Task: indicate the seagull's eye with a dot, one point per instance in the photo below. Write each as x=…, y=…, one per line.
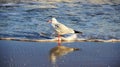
x=49, y=21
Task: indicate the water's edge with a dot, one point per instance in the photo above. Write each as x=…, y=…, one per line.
x=56, y=40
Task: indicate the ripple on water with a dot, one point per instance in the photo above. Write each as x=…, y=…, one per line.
x=95, y=21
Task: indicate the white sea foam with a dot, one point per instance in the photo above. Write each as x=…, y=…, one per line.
x=62, y=40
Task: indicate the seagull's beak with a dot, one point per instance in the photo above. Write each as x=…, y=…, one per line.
x=49, y=21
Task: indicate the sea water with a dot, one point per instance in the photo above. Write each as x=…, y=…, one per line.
x=28, y=20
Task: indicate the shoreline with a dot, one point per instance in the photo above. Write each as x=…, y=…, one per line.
x=55, y=40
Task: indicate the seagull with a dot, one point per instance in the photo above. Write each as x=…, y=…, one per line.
x=61, y=29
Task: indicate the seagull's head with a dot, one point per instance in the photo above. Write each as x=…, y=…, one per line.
x=53, y=20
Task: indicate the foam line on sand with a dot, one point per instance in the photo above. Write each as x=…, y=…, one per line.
x=55, y=40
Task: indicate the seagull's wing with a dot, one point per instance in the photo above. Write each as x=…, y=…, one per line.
x=62, y=29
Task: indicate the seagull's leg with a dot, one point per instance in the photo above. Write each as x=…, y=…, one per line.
x=59, y=40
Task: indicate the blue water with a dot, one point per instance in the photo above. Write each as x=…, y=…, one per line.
x=27, y=20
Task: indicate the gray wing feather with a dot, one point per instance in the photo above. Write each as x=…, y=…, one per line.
x=62, y=29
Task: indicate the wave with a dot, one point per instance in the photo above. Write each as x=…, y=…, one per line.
x=48, y=37
x=62, y=40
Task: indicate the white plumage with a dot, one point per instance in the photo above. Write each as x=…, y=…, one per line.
x=61, y=29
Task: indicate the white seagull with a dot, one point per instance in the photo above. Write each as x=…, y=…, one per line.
x=61, y=29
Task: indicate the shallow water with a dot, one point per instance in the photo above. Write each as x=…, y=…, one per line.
x=27, y=20
x=37, y=54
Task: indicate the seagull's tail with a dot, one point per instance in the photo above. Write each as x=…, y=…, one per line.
x=77, y=32
x=76, y=49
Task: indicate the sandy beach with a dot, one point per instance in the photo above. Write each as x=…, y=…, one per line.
x=37, y=54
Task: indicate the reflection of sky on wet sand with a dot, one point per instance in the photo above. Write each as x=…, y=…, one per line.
x=37, y=54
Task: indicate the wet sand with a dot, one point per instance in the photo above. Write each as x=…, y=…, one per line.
x=37, y=54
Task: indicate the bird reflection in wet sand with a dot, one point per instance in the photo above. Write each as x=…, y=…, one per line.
x=59, y=51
